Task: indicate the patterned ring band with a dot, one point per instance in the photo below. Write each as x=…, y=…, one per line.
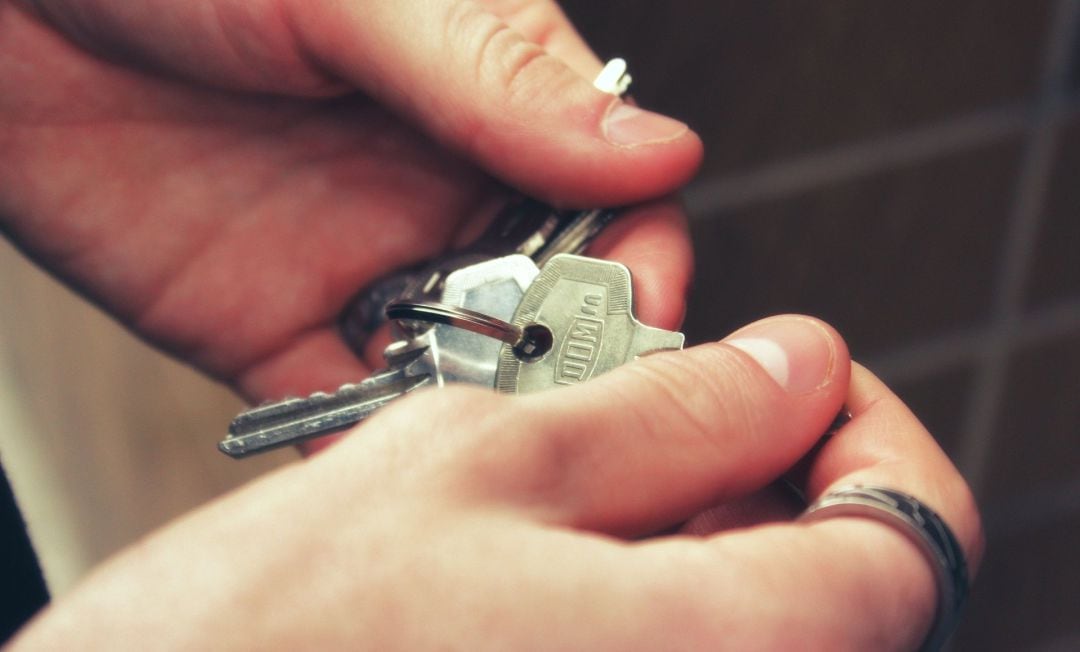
x=925, y=528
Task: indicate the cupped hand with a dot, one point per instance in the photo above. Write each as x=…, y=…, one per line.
x=481, y=521
x=223, y=176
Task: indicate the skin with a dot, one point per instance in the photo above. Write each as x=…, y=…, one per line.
x=150, y=191
x=223, y=176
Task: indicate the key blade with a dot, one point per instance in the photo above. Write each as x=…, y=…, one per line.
x=576, y=231
x=298, y=419
x=653, y=340
x=586, y=307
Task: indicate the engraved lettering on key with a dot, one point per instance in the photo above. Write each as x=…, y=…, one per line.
x=577, y=359
x=587, y=305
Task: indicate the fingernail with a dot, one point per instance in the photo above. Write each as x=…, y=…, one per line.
x=796, y=352
x=627, y=125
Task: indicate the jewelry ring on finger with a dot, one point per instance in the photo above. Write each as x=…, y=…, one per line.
x=924, y=527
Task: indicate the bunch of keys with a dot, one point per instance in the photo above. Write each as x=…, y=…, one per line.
x=517, y=311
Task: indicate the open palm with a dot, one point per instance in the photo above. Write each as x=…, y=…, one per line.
x=228, y=215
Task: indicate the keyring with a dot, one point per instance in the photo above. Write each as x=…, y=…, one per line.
x=528, y=343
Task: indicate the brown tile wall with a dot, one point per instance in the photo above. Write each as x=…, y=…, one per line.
x=936, y=398
x=888, y=258
x=1038, y=441
x=1056, y=272
x=1027, y=591
x=763, y=80
x=919, y=254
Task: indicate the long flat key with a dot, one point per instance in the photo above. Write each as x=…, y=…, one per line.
x=586, y=307
x=295, y=420
x=435, y=357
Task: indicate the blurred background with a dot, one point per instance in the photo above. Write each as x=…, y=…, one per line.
x=909, y=172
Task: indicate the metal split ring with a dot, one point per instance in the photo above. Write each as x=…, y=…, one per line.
x=923, y=527
x=528, y=343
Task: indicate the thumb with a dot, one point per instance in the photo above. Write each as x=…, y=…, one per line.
x=655, y=441
x=481, y=86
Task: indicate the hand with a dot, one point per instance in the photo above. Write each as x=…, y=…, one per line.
x=480, y=521
x=224, y=175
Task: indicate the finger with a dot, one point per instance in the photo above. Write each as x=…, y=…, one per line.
x=657, y=440
x=775, y=503
x=847, y=582
x=843, y=583
x=477, y=84
x=782, y=587
x=653, y=242
x=544, y=23
x=462, y=73
x=885, y=445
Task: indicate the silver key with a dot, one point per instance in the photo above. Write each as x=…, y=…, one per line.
x=295, y=420
x=426, y=354
x=434, y=357
x=525, y=226
x=453, y=354
x=493, y=288
x=585, y=305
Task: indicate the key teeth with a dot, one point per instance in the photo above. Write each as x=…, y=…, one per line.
x=295, y=420
x=398, y=355
x=269, y=407
x=401, y=353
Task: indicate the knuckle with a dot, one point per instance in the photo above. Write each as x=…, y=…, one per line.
x=537, y=20
x=515, y=68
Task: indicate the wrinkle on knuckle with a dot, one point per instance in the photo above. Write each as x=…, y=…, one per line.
x=501, y=58
x=539, y=21
x=518, y=69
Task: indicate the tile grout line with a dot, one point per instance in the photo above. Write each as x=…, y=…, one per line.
x=1008, y=327
x=915, y=361
x=706, y=199
x=978, y=434
x=1061, y=642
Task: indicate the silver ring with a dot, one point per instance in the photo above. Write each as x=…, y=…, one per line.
x=470, y=320
x=925, y=528
x=529, y=342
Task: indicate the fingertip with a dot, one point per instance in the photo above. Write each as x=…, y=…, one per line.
x=586, y=149
x=653, y=242
x=800, y=353
x=885, y=444
x=679, y=431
